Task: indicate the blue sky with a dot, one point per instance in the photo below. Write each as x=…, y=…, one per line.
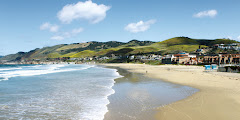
x=30, y=24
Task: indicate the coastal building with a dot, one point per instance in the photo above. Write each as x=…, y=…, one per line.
x=200, y=51
x=234, y=46
x=229, y=58
x=219, y=59
x=103, y=58
x=131, y=57
x=145, y=57
x=167, y=59
x=73, y=59
x=141, y=57
x=181, y=58
x=155, y=57
x=185, y=58
x=207, y=59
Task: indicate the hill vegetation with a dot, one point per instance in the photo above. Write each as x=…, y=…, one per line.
x=133, y=47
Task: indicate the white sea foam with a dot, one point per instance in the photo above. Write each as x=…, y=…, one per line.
x=100, y=105
x=84, y=98
x=5, y=74
x=5, y=69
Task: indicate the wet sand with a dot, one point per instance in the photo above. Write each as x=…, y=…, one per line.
x=138, y=97
x=218, y=99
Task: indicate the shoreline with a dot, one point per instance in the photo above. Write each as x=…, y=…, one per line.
x=138, y=93
x=218, y=98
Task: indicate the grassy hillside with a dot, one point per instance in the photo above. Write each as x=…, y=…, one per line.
x=45, y=52
x=133, y=43
x=89, y=49
x=106, y=51
x=85, y=53
x=147, y=49
x=53, y=55
x=68, y=54
x=184, y=48
x=180, y=41
x=190, y=41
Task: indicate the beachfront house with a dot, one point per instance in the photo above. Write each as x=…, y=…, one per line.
x=184, y=58
x=103, y=58
x=131, y=57
x=141, y=57
x=219, y=59
x=167, y=59
x=229, y=58
x=181, y=58
x=234, y=46
x=155, y=57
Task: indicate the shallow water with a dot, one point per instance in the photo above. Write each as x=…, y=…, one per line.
x=137, y=97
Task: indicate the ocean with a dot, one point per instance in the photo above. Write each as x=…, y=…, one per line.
x=76, y=92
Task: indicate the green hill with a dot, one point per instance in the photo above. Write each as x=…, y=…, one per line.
x=85, y=53
x=180, y=41
x=185, y=44
x=89, y=49
x=190, y=41
x=74, y=50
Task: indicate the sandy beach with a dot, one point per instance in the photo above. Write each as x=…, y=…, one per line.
x=218, y=98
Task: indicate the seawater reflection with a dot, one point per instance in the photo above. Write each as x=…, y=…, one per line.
x=138, y=97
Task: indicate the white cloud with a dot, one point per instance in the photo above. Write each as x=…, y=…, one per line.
x=54, y=28
x=50, y=27
x=76, y=31
x=139, y=26
x=45, y=26
x=238, y=38
x=229, y=37
x=64, y=35
x=87, y=10
x=208, y=13
x=57, y=37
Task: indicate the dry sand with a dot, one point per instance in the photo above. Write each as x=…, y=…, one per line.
x=218, y=99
